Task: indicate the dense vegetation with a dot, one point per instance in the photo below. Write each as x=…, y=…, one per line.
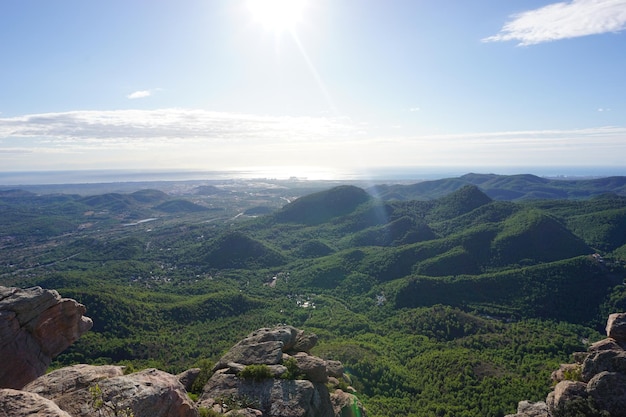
x=456, y=306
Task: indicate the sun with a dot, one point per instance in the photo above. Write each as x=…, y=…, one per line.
x=277, y=15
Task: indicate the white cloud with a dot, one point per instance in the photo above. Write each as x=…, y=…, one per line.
x=414, y=109
x=134, y=127
x=564, y=20
x=139, y=94
x=199, y=139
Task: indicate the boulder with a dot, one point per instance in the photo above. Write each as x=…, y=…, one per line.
x=528, y=409
x=565, y=391
x=603, y=360
x=14, y=403
x=226, y=392
x=608, y=389
x=345, y=404
x=304, y=342
x=249, y=352
x=35, y=326
x=616, y=327
x=605, y=344
x=564, y=371
x=85, y=390
x=334, y=369
x=314, y=368
x=273, y=397
x=188, y=377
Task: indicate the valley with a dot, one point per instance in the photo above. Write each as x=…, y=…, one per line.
x=453, y=297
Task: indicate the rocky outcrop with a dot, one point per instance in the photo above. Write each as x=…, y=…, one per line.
x=16, y=403
x=85, y=390
x=594, y=385
x=35, y=326
x=284, y=379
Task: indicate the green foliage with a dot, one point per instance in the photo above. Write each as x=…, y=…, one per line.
x=293, y=372
x=574, y=374
x=459, y=306
x=206, y=370
x=256, y=372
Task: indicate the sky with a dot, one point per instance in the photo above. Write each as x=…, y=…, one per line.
x=311, y=86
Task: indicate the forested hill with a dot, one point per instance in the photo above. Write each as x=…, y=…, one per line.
x=506, y=187
x=456, y=306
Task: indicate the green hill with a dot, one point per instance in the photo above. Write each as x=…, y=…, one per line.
x=452, y=303
x=237, y=250
x=323, y=206
x=506, y=187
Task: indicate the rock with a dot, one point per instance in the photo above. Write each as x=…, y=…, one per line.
x=72, y=378
x=564, y=371
x=285, y=334
x=334, y=369
x=274, y=397
x=602, y=390
x=603, y=360
x=616, y=327
x=15, y=403
x=35, y=326
x=250, y=352
x=608, y=389
x=305, y=342
x=149, y=393
x=313, y=367
x=605, y=344
x=528, y=409
x=226, y=392
x=565, y=391
x=345, y=404
x=188, y=377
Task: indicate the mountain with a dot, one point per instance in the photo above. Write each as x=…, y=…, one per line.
x=323, y=206
x=457, y=305
x=506, y=187
x=237, y=250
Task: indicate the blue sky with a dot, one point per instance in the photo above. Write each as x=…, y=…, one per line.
x=319, y=85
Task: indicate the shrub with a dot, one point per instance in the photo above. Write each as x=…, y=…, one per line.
x=293, y=372
x=256, y=372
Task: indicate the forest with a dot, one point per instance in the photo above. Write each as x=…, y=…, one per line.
x=448, y=298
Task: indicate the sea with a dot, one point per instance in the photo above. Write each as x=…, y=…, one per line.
x=373, y=175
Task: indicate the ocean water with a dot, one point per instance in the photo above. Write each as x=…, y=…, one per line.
x=378, y=174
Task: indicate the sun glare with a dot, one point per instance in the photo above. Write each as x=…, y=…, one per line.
x=277, y=15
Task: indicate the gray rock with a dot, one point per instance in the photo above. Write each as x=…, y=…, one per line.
x=603, y=360
x=334, y=369
x=346, y=404
x=72, y=378
x=565, y=391
x=605, y=344
x=528, y=409
x=564, y=370
x=313, y=367
x=616, y=327
x=188, y=377
x=274, y=397
x=608, y=389
x=35, y=326
x=15, y=403
x=285, y=334
x=305, y=342
x=149, y=393
x=248, y=352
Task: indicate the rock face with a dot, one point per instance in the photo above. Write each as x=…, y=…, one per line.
x=600, y=385
x=85, y=390
x=35, y=326
x=15, y=403
x=292, y=384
